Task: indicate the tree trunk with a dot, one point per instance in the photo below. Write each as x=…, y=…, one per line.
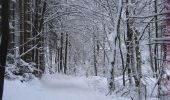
x=4, y=39
x=66, y=46
x=21, y=6
x=156, y=46
x=94, y=55
x=129, y=38
x=150, y=51
x=12, y=29
x=61, y=53
x=27, y=30
x=167, y=46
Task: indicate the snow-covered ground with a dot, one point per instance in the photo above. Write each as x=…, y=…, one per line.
x=58, y=87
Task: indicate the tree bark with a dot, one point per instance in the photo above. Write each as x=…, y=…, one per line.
x=156, y=46
x=61, y=53
x=4, y=39
x=129, y=38
x=66, y=46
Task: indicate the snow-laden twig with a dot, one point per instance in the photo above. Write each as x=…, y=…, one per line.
x=153, y=15
x=28, y=50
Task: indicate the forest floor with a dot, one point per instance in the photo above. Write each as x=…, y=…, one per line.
x=59, y=87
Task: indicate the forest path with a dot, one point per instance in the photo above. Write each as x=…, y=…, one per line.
x=55, y=87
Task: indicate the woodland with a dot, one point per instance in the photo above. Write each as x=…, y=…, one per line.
x=122, y=44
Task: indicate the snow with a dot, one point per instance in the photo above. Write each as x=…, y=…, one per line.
x=14, y=1
x=58, y=87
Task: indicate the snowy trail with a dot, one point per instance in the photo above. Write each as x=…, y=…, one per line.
x=56, y=87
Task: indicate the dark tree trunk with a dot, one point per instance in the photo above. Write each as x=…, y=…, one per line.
x=156, y=46
x=129, y=39
x=35, y=32
x=65, y=65
x=12, y=29
x=41, y=29
x=21, y=49
x=61, y=54
x=27, y=30
x=94, y=55
x=4, y=34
